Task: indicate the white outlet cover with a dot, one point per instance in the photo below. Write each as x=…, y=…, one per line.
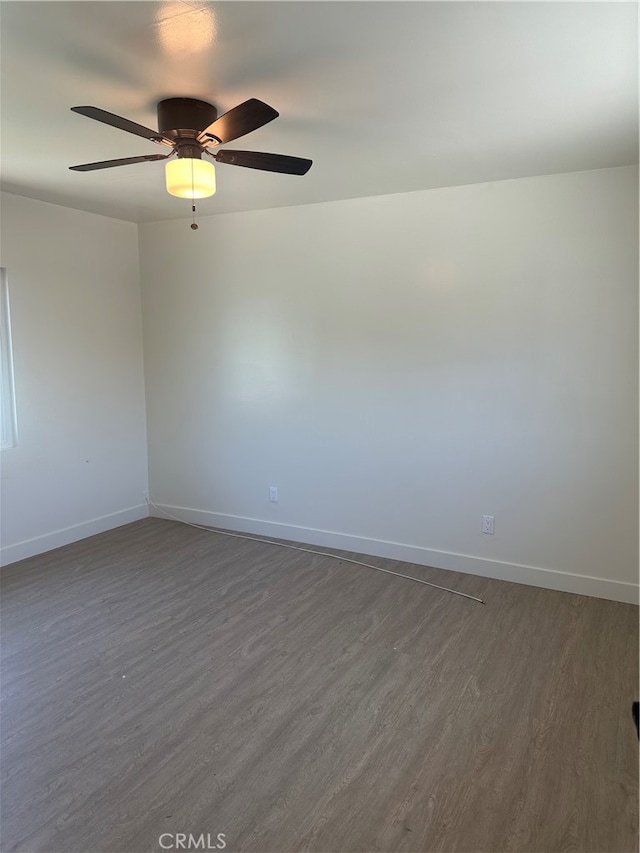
x=488, y=524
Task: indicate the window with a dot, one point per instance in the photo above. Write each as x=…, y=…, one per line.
x=7, y=387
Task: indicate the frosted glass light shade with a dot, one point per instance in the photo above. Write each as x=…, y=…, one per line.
x=190, y=178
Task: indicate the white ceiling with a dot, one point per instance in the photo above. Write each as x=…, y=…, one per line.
x=385, y=97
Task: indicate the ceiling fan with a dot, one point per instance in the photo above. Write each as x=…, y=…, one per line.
x=191, y=128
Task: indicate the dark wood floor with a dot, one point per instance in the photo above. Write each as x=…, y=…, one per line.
x=160, y=679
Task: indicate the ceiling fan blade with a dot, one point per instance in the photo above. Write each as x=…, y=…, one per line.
x=108, y=164
x=121, y=123
x=242, y=119
x=266, y=162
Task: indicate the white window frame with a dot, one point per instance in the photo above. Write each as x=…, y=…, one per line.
x=8, y=415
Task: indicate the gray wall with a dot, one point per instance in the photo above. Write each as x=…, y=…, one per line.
x=401, y=365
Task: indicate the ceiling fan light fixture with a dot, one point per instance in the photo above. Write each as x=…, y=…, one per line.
x=188, y=177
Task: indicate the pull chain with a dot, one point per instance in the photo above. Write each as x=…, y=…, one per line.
x=194, y=225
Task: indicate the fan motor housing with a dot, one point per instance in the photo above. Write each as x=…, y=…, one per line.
x=184, y=117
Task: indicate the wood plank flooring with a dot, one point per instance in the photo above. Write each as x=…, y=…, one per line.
x=160, y=679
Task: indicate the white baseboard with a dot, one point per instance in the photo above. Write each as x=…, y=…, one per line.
x=514, y=572
x=58, y=538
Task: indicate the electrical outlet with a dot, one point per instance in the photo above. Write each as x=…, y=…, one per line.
x=488, y=524
x=273, y=494
x=145, y=496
